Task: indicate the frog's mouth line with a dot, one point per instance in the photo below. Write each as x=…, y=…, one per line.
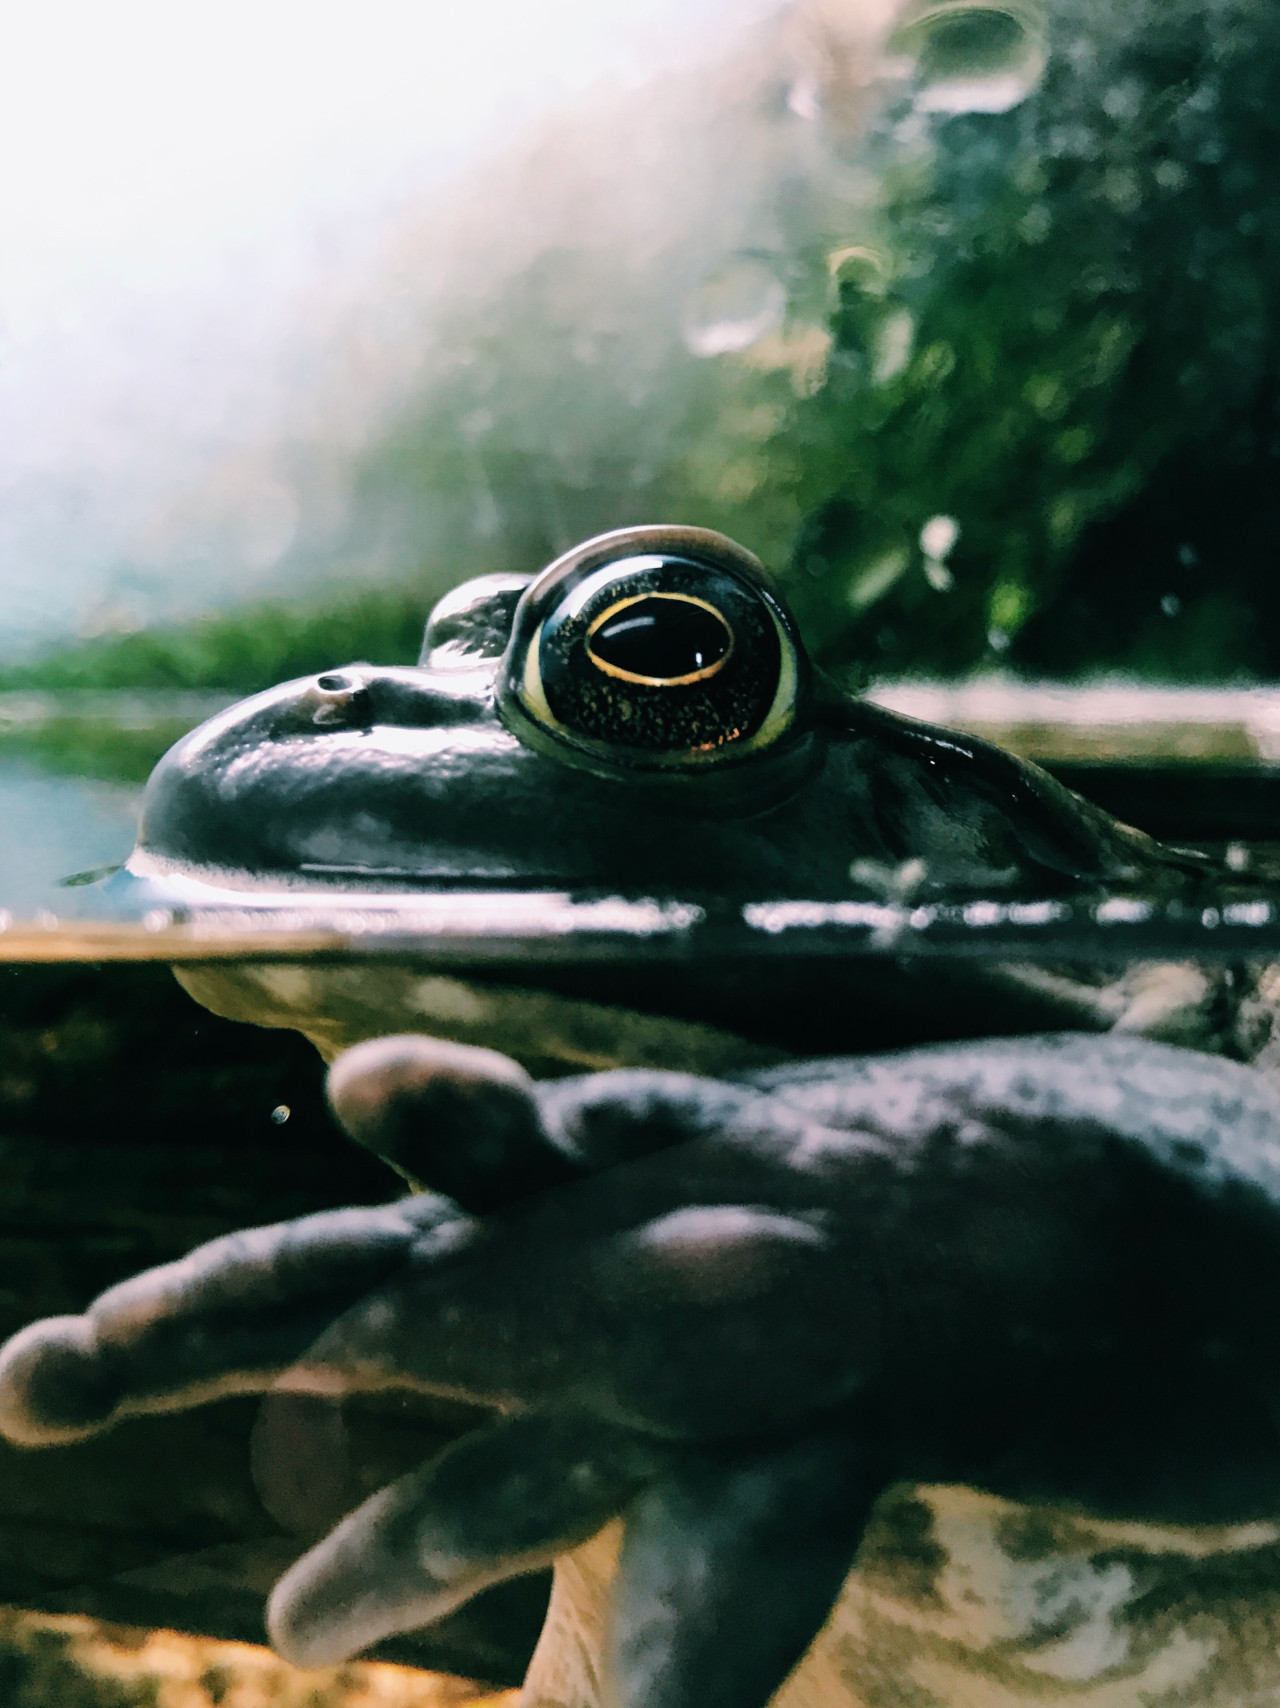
x=529, y=925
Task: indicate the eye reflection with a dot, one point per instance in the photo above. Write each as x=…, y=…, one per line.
x=660, y=640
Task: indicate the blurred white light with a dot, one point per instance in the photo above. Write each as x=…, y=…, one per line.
x=175, y=175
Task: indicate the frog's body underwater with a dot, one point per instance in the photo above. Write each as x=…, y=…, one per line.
x=641, y=719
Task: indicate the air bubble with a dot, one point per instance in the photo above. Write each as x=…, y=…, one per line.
x=735, y=307
x=893, y=345
x=281, y=1113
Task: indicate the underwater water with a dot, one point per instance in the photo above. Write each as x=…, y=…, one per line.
x=136, y=1123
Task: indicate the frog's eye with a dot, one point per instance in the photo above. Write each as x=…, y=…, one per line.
x=654, y=657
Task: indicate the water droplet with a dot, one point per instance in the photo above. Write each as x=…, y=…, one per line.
x=734, y=307
x=938, y=575
x=803, y=98
x=938, y=536
x=972, y=56
x=281, y=1113
x=894, y=339
x=859, y=268
x=875, y=579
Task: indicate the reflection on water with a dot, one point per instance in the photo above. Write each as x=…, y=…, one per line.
x=55, y=827
x=72, y=768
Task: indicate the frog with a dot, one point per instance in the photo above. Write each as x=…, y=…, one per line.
x=643, y=713
x=640, y=723
x=938, y=1376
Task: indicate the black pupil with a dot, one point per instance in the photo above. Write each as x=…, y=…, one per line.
x=661, y=638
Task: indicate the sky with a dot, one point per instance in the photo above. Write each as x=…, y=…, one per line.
x=174, y=175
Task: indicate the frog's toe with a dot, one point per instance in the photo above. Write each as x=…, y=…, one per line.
x=731, y=1563
x=54, y=1387
x=502, y=1501
x=461, y=1120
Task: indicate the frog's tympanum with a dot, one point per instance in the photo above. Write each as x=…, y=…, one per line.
x=639, y=721
x=996, y=1319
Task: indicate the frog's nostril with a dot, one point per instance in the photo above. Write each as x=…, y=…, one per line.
x=338, y=699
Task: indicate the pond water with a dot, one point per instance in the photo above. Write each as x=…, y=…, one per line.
x=57, y=828
x=135, y=1124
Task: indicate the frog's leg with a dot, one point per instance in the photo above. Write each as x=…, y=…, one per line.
x=1176, y=1002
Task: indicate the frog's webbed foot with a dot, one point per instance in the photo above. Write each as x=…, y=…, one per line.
x=472, y=1124
x=228, y=1318
x=461, y=1120
x=614, y=1324
x=731, y=1563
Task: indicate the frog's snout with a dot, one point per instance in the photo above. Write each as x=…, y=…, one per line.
x=365, y=696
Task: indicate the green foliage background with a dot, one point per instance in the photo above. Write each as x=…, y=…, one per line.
x=1055, y=325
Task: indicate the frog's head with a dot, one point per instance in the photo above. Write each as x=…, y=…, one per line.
x=639, y=720
x=635, y=715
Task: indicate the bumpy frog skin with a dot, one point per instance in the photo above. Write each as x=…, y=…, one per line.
x=743, y=1316
x=640, y=719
